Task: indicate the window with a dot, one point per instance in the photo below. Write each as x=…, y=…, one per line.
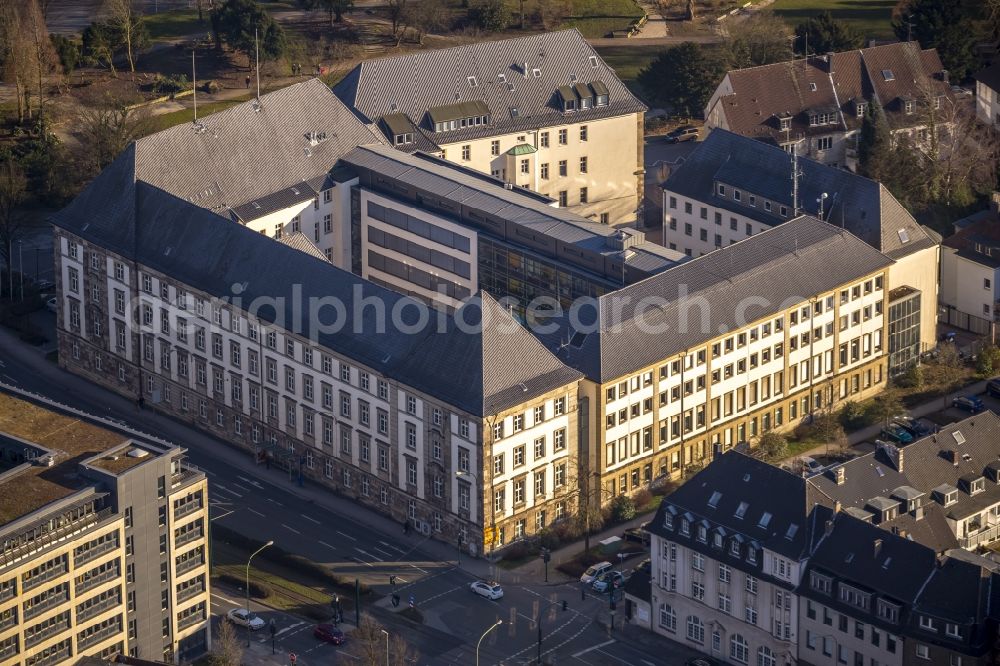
x=739, y=649
x=525, y=167
x=494, y=148
x=544, y=171
x=562, y=168
x=583, y=164
x=466, y=152
x=583, y=132
x=563, y=199
x=922, y=651
x=562, y=137
x=695, y=630
x=583, y=195
x=543, y=140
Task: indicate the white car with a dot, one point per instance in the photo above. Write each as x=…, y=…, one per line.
x=491, y=591
x=243, y=618
x=811, y=466
x=592, y=574
x=606, y=579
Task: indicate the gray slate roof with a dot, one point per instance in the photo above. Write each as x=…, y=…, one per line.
x=925, y=468
x=861, y=205
x=777, y=265
x=416, y=82
x=244, y=154
x=301, y=242
x=537, y=222
x=471, y=367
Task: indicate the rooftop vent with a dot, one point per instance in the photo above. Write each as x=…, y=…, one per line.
x=473, y=82
x=593, y=61
x=137, y=453
x=959, y=437
x=47, y=460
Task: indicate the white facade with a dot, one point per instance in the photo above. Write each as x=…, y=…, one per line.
x=696, y=228
x=969, y=286
x=987, y=104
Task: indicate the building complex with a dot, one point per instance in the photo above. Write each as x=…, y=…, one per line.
x=103, y=543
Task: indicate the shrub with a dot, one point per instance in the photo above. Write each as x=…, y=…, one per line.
x=988, y=361
x=318, y=612
x=622, y=509
x=211, y=87
x=854, y=415
x=258, y=590
x=642, y=498
x=912, y=378
x=489, y=15
x=519, y=550
x=772, y=446
x=168, y=85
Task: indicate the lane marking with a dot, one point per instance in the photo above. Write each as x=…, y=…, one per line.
x=269, y=499
x=241, y=487
x=324, y=543
x=310, y=519
x=250, y=481
x=290, y=529
x=256, y=512
x=440, y=594
x=227, y=490
x=366, y=553
x=395, y=548
x=389, y=555
x=346, y=536
x=228, y=601
x=361, y=561
x=222, y=516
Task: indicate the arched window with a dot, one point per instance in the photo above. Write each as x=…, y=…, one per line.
x=695, y=630
x=765, y=657
x=739, y=651
x=668, y=619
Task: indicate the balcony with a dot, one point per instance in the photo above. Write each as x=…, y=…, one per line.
x=987, y=535
x=190, y=592
x=187, y=509
x=30, y=544
x=44, y=577
x=189, y=564
x=55, y=598
x=188, y=536
x=83, y=556
x=57, y=654
x=84, y=613
x=86, y=584
x=84, y=640
x=46, y=633
x=191, y=620
x=8, y=649
x=8, y=620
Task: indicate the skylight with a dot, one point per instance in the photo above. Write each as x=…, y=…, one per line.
x=572, y=77
x=713, y=501
x=904, y=235
x=514, y=112
x=536, y=72
x=879, y=471
x=765, y=520
x=888, y=561
x=959, y=437
x=473, y=82
x=888, y=75
x=812, y=87
x=741, y=510
x=792, y=529
x=593, y=61
x=503, y=78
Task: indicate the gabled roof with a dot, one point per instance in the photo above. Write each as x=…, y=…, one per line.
x=420, y=83
x=839, y=80
x=975, y=239
x=468, y=366
x=614, y=338
x=238, y=155
x=989, y=77
x=861, y=205
x=301, y=242
x=958, y=590
x=777, y=503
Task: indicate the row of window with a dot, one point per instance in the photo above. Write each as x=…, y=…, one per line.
x=519, y=457
x=538, y=415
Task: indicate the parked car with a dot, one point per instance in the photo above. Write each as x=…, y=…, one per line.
x=897, y=433
x=328, y=633
x=683, y=133
x=811, y=465
x=591, y=574
x=245, y=618
x=968, y=403
x=608, y=579
x=490, y=590
x=916, y=427
x=638, y=533
x=52, y=304
x=993, y=387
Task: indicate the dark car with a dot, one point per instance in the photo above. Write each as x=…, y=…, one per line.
x=914, y=426
x=683, y=133
x=993, y=387
x=968, y=403
x=897, y=433
x=948, y=336
x=329, y=634
x=639, y=533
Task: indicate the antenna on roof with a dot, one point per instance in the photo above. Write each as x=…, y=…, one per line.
x=256, y=50
x=820, y=200
x=795, y=182
x=194, y=88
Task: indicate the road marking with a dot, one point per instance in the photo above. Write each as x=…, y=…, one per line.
x=241, y=487
x=228, y=601
x=290, y=529
x=346, y=536
x=255, y=512
x=594, y=647
x=361, y=561
x=288, y=628
x=310, y=519
x=389, y=555
x=396, y=548
x=326, y=544
x=222, y=516
x=250, y=481
x=269, y=499
x=440, y=594
x=366, y=553
x=224, y=489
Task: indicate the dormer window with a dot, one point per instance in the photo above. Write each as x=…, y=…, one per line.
x=734, y=548
x=978, y=486
x=722, y=190
x=668, y=521
x=820, y=583
x=685, y=527
x=717, y=540
x=908, y=106
x=702, y=534
x=860, y=108
x=950, y=498
x=737, y=195
x=786, y=123
x=403, y=139
x=887, y=610
x=752, y=555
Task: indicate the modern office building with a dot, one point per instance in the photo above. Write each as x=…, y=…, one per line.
x=543, y=112
x=103, y=543
x=814, y=106
x=732, y=187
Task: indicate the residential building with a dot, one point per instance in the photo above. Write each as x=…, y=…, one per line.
x=814, y=106
x=970, y=273
x=244, y=337
x=543, y=112
x=942, y=489
x=988, y=95
x=758, y=340
x=440, y=232
x=728, y=549
x=103, y=543
x=732, y=187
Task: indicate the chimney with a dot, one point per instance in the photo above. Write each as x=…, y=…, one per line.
x=839, y=475
x=918, y=513
x=836, y=506
x=944, y=75
x=878, y=546
x=525, y=70
x=951, y=455
x=900, y=455
x=716, y=451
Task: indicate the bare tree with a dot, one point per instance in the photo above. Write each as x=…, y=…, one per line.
x=398, y=10
x=427, y=16
x=552, y=13
x=43, y=58
x=13, y=188
x=371, y=639
x=227, y=649
x=123, y=17
x=18, y=54
x=106, y=126
x=758, y=39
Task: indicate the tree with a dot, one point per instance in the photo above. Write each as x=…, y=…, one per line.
x=127, y=28
x=887, y=405
x=43, y=55
x=227, y=649
x=398, y=11
x=489, y=15
x=236, y=22
x=827, y=429
x=683, y=77
x=13, y=187
x=874, y=144
x=552, y=13
x=98, y=46
x=759, y=39
x=26, y=53
x=622, y=509
x=988, y=361
x=825, y=34
x=335, y=8
x=371, y=644
x=106, y=126
x=68, y=52
x=945, y=25
x=428, y=16
x=772, y=446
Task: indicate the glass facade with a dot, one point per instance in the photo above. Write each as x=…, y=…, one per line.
x=904, y=329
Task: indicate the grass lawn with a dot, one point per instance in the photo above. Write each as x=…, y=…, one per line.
x=165, y=120
x=871, y=18
x=176, y=23
x=596, y=18
x=627, y=61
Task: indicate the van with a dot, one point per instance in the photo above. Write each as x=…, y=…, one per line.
x=591, y=574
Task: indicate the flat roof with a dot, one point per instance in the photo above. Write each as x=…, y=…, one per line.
x=122, y=460
x=71, y=440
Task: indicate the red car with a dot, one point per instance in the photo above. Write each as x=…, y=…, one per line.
x=329, y=634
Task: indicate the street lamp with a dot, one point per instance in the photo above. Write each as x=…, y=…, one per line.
x=269, y=543
x=386, y=646
x=497, y=624
x=565, y=606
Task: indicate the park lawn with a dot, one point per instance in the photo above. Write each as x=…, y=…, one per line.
x=872, y=18
x=628, y=61
x=166, y=120
x=175, y=24
x=595, y=18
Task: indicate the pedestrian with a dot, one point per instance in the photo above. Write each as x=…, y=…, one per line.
x=248, y=81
